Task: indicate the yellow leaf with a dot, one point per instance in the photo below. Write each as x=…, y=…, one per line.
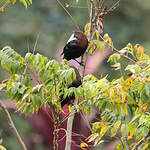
x=108, y=40
x=124, y=98
x=86, y=28
x=139, y=49
x=69, y=108
x=97, y=126
x=124, y=107
x=144, y=107
x=83, y=145
x=2, y=147
x=2, y=9
x=129, y=47
x=103, y=130
x=111, y=94
x=24, y=3
x=123, y=130
x=131, y=133
x=129, y=82
x=102, y=119
x=146, y=146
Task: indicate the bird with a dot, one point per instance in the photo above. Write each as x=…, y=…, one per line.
x=75, y=83
x=76, y=46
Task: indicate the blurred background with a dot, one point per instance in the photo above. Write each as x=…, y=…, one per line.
x=47, y=22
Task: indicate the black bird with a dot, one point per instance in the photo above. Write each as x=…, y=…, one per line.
x=76, y=46
x=75, y=83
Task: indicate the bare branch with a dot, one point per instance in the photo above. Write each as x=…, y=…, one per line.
x=116, y=50
x=12, y=126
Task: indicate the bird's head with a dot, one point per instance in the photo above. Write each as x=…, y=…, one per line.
x=80, y=38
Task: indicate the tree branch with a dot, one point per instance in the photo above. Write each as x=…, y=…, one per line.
x=69, y=130
x=12, y=126
x=117, y=51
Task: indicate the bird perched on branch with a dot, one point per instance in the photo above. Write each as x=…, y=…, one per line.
x=75, y=83
x=76, y=46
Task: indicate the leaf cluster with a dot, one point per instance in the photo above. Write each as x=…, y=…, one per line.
x=5, y=3
x=35, y=80
x=124, y=102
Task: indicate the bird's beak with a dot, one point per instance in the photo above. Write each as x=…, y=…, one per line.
x=72, y=38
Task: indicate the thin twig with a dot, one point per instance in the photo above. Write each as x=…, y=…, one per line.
x=28, y=46
x=114, y=6
x=89, y=34
x=37, y=38
x=116, y=50
x=73, y=21
x=12, y=126
x=55, y=114
x=91, y=20
x=85, y=118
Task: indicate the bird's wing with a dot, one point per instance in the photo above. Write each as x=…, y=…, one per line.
x=69, y=46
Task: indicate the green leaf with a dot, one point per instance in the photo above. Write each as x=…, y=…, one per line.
x=11, y=60
x=101, y=46
x=115, y=128
x=114, y=58
x=13, y=2
x=133, y=68
x=108, y=40
x=92, y=46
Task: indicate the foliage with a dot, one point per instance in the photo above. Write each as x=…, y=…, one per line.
x=5, y=3
x=124, y=102
x=35, y=80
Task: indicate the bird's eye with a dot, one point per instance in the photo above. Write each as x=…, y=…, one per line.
x=75, y=36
